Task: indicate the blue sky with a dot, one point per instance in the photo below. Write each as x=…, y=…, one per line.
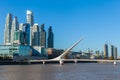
x=99, y=20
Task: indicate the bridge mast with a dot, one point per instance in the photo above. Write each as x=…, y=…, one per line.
x=66, y=51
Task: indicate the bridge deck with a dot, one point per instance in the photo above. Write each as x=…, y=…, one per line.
x=75, y=60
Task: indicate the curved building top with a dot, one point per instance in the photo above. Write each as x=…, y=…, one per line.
x=29, y=12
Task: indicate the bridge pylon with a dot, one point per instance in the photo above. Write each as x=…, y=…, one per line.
x=60, y=57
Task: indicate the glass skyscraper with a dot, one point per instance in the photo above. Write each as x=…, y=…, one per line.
x=14, y=28
x=35, y=35
x=26, y=26
x=106, y=51
x=112, y=51
x=42, y=36
x=29, y=18
x=50, y=40
x=115, y=53
x=7, y=31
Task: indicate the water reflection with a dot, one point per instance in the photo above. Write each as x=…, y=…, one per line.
x=80, y=71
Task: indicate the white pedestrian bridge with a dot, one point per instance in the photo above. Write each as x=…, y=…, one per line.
x=60, y=59
x=76, y=60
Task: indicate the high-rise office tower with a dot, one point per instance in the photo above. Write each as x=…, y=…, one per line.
x=42, y=36
x=7, y=31
x=25, y=36
x=115, y=53
x=19, y=37
x=112, y=51
x=106, y=51
x=26, y=29
x=36, y=35
x=50, y=40
x=14, y=28
x=30, y=21
x=30, y=18
x=21, y=26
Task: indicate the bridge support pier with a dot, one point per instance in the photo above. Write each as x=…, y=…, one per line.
x=43, y=62
x=115, y=63
x=61, y=62
x=75, y=61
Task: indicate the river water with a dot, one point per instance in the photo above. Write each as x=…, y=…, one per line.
x=71, y=71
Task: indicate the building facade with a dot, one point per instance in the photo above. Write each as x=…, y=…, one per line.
x=115, y=53
x=53, y=53
x=35, y=37
x=11, y=51
x=50, y=40
x=112, y=52
x=105, y=51
x=42, y=36
x=39, y=50
x=7, y=30
x=30, y=18
x=15, y=27
x=27, y=30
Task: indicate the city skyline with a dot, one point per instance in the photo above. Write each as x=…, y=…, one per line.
x=98, y=20
x=27, y=33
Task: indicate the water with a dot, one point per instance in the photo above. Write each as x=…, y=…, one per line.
x=79, y=71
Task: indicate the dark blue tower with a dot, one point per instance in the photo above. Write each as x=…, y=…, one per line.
x=50, y=40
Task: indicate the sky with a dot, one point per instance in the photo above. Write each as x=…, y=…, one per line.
x=98, y=20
